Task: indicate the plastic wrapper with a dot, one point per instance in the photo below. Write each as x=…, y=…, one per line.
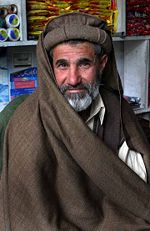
x=138, y=17
x=36, y=6
x=13, y=34
x=106, y=9
x=9, y=23
x=38, y=12
x=3, y=35
x=37, y=19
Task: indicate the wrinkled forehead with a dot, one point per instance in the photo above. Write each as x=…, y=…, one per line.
x=79, y=46
x=73, y=50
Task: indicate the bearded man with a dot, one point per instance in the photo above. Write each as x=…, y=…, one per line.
x=75, y=157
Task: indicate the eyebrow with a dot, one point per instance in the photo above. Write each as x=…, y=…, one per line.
x=61, y=61
x=82, y=60
x=79, y=61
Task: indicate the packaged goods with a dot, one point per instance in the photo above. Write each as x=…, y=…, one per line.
x=12, y=20
x=137, y=17
x=34, y=5
x=12, y=9
x=36, y=11
x=3, y=12
x=3, y=35
x=13, y=34
x=9, y=23
x=2, y=22
x=23, y=82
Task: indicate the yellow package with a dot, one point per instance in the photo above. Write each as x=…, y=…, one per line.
x=38, y=12
x=39, y=19
x=36, y=7
x=115, y=21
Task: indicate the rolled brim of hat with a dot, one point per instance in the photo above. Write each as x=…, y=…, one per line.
x=76, y=26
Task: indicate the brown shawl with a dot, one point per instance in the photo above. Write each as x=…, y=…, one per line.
x=57, y=174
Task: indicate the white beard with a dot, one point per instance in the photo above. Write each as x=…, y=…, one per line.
x=81, y=101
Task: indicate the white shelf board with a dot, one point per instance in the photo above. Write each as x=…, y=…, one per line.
x=130, y=38
x=18, y=43
x=34, y=42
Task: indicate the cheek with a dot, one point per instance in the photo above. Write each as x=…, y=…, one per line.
x=90, y=76
x=60, y=77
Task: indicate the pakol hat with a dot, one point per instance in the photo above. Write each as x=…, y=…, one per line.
x=77, y=26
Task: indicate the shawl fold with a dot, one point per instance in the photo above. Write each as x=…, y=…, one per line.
x=58, y=175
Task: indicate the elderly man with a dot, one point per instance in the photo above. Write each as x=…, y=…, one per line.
x=75, y=157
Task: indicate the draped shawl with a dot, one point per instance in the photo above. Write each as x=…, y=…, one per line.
x=57, y=174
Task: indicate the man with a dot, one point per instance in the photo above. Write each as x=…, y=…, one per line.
x=75, y=157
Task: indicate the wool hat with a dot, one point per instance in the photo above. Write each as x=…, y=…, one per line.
x=77, y=26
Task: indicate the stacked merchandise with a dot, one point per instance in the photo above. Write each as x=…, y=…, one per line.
x=38, y=13
x=37, y=16
x=138, y=17
x=9, y=23
x=23, y=82
x=109, y=12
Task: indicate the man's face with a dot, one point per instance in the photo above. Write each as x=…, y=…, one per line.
x=77, y=71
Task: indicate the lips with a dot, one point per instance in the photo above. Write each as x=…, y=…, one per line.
x=75, y=90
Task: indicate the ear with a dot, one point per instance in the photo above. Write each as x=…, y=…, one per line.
x=103, y=61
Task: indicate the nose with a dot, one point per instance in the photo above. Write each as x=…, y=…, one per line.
x=74, y=76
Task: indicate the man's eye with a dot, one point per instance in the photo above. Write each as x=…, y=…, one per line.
x=85, y=65
x=62, y=65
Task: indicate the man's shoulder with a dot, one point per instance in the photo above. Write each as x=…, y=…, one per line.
x=9, y=110
x=5, y=116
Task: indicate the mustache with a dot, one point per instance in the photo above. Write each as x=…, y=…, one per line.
x=66, y=87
